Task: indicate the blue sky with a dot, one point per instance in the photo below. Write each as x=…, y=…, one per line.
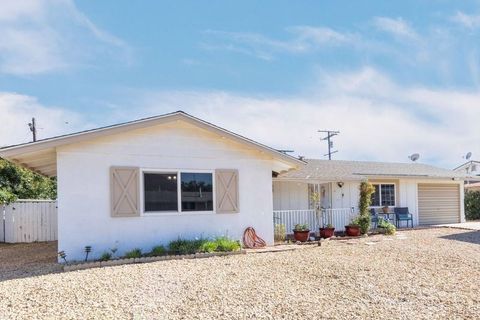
x=394, y=77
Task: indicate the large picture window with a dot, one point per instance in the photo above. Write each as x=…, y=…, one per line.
x=160, y=192
x=164, y=193
x=384, y=195
x=197, y=191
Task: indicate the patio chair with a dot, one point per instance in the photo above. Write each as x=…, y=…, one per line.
x=402, y=214
x=374, y=217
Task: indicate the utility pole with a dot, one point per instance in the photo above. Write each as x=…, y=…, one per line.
x=330, y=134
x=33, y=129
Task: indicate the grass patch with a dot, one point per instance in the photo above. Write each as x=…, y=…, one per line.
x=135, y=253
x=158, y=251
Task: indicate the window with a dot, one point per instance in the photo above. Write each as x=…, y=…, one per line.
x=160, y=192
x=384, y=195
x=164, y=193
x=197, y=191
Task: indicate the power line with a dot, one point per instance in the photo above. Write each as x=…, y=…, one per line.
x=330, y=135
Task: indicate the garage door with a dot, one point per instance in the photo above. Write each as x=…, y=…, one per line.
x=438, y=203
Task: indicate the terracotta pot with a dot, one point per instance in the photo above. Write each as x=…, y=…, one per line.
x=326, y=232
x=301, y=236
x=352, y=231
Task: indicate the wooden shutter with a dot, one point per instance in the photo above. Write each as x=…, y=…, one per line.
x=226, y=184
x=125, y=191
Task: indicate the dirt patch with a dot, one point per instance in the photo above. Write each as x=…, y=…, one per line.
x=21, y=260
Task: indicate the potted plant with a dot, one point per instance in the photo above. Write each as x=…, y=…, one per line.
x=353, y=229
x=301, y=232
x=327, y=231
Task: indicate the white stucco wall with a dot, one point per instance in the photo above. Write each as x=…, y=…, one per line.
x=84, y=194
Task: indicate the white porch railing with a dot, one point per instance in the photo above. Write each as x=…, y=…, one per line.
x=289, y=218
x=339, y=218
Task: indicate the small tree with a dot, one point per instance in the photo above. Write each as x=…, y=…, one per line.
x=472, y=205
x=366, y=191
x=315, y=201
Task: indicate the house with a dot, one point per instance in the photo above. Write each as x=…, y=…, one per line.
x=472, y=170
x=433, y=195
x=150, y=181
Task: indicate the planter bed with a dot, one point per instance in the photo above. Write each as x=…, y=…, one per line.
x=73, y=266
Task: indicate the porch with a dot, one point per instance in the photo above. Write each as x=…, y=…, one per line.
x=338, y=217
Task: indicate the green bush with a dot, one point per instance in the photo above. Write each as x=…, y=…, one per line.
x=158, y=251
x=225, y=244
x=280, y=232
x=390, y=229
x=135, y=253
x=209, y=246
x=472, y=205
x=301, y=227
x=105, y=256
x=182, y=246
x=366, y=191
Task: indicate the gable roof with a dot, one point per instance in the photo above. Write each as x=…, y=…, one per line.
x=471, y=167
x=40, y=156
x=338, y=170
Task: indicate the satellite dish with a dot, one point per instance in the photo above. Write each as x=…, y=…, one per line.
x=468, y=156
x=414, y=157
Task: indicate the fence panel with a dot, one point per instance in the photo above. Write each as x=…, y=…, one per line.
x=29, y=221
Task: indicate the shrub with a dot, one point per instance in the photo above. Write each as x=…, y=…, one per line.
x=301, y=227
x=225, y=244
x=280, y=232
x=182, y=246
x=158, y=251
x=209, y=246
x=106, y=256
x=472, y=205
x=135, y=253
x=366, y=191
x=390, y=229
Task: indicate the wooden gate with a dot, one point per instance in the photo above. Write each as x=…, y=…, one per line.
x=29, y=221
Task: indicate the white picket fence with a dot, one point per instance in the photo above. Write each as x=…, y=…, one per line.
x=339, y=218
x=29, y=221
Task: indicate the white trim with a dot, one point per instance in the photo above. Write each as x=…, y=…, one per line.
x=380, y=193
x=179, y=211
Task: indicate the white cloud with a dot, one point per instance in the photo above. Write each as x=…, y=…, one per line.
x=17, y=111
x=41, y=36
x=466, y=20
x=397, y=27
x=303, y=39
x=379, y=119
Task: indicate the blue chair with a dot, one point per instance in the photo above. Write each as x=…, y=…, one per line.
x=374, y=217
x=402, y=214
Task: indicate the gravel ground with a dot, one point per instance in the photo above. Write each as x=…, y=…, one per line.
x=422, y=274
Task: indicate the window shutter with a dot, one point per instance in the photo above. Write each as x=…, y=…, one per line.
x=226, y=185
x=125, y=192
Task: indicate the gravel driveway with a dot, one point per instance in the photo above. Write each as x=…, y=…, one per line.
x=422, y=274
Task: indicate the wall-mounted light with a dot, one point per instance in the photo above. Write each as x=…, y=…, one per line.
x=340, y=184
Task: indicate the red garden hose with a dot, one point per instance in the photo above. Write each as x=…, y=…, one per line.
x=251, y=240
